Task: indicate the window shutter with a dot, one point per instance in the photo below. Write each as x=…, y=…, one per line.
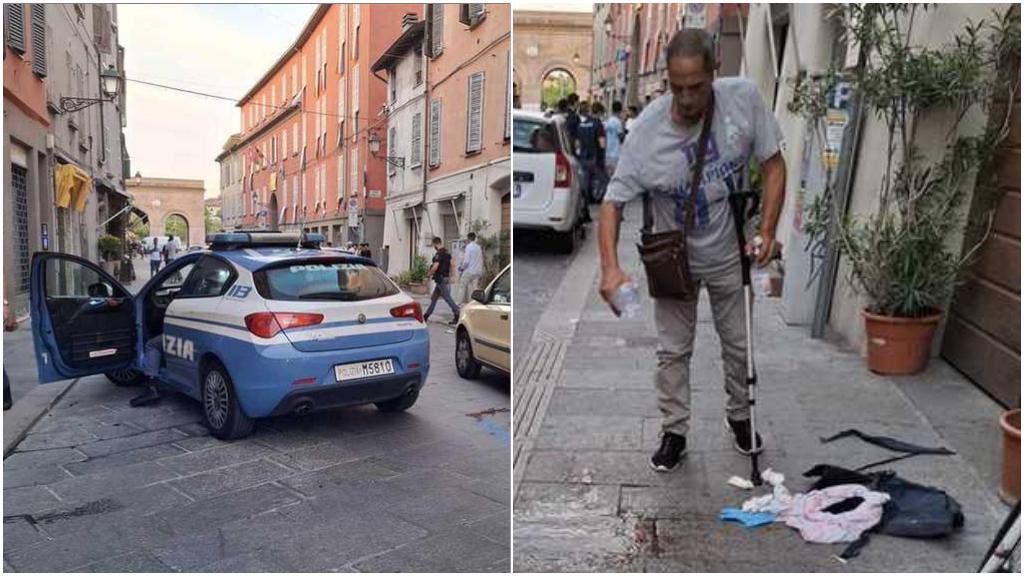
x=436, y=30
x=355, y=89
x=342, y=31
x=341, y=176
x=392, y=138
x=417, y=139
x=475, y=109
x=353, y=189
x=435, y=132
x=39, y=40
x=14, y=16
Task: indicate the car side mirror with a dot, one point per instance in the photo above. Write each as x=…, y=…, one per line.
x=480, y=296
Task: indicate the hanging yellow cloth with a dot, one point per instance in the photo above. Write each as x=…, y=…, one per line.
x=273, y=181
x=72, y=186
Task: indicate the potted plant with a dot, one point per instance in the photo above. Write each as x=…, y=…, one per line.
x=899, y=257
x=110, y=252
x=418, y=275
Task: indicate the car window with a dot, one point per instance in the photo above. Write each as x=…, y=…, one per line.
x=176, y=279
x=70, y=279
x=340, y=280
x=534, y=136
x=209, y=278
x=501, y=290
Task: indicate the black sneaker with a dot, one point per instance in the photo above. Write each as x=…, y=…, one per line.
x=741, y=436
x=670, y=455
x=453, y=321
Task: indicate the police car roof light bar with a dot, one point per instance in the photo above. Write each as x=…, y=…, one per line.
x=236, y=240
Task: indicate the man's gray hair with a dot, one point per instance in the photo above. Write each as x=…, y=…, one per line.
x=692, y=43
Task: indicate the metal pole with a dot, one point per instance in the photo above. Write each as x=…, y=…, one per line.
x=841, y=201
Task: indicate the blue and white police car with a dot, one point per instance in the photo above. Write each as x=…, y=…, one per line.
x=260, y=324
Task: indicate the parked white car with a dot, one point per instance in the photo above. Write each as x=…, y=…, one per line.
x=545, y=186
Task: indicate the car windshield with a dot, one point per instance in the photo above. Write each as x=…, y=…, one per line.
x=337, y=280
x=534, y=136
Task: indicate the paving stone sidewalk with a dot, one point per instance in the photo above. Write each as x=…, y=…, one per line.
x=99, y=486
x=587, y=500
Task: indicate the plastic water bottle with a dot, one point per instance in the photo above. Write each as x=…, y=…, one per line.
x=627, y=299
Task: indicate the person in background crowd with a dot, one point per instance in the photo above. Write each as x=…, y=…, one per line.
x=441, y=272
x=614, y=135
x=364, y=250
x=471, y=268
x=154, y=258
x=631, y=118
x=589, y=134
x=572, y=117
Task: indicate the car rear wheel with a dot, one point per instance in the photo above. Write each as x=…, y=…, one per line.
x=465, y=363
x=126, y=377
x=222, y=412
x=400, y=404
x=567, y=240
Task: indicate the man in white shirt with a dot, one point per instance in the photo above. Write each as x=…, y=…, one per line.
x=470, y=269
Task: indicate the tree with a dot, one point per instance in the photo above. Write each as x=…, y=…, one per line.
x=213, y=221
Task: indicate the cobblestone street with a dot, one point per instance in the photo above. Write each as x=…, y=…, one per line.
x=99, y=486
x=587, y=422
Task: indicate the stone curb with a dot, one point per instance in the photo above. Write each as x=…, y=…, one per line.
x=29, y=409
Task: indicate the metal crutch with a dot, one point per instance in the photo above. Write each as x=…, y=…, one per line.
x=737, y=203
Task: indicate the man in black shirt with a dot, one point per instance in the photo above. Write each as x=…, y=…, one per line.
x=441, y=271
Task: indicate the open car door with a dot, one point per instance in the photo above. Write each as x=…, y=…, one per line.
x=83, y=320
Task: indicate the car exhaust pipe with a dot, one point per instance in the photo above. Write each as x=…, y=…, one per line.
x=303, y=407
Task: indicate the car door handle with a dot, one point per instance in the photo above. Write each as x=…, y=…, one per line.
x=504, y=316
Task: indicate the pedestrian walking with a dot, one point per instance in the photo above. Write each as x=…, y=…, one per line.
x=614, y=134
x=471, y=268
x=154, y=258
x=589, y=134
x=686, y=153
x=441, y=272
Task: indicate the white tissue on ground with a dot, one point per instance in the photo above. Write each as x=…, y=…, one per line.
x=780, y=499
x=741, y=483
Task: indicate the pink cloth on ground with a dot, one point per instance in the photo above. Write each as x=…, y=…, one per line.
x=807, y=513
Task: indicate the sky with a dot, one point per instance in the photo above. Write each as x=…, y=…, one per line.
x=220, y=49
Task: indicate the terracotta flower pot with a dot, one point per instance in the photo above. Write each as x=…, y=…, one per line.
x=899, y=345
x=418, y=289
x=1009, y=491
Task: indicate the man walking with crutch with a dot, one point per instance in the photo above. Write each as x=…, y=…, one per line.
x=686, y=153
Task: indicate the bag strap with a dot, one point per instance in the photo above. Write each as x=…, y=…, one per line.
x=696, y=173
x=698, y=167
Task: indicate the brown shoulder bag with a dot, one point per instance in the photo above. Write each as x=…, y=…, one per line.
x=664, y=254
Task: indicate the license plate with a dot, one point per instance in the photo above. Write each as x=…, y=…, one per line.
x=357, y=370
x=518, y=190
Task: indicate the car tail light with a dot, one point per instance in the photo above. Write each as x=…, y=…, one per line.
x=563, y=171
x=267, y=324
x=411, y=310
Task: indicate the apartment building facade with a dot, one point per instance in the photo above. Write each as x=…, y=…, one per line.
x=468, y=149
x=64, y=162
x=305, y=127
x=629, y=45
x=404, y=64
x=230, y=162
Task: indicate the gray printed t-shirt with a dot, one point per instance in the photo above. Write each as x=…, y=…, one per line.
x=657, y=156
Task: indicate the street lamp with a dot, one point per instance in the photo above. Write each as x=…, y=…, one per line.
x=374, y=141
x=111, y=81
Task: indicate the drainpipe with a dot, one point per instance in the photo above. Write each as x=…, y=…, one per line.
x=427, y=107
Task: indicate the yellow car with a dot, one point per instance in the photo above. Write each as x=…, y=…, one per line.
x=483, y=336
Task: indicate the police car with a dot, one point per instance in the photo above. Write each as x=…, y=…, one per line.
x=261, y=324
